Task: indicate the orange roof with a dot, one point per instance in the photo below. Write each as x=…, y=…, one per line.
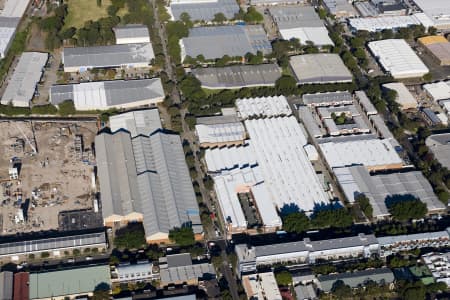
x=434, y=39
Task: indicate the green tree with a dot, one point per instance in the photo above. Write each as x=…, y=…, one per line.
x=406, y=207
x=283, y=278
x=253, y=16
x=332, y=216
x=99, y=3
x=130, y=237
x=365, y=205
x=296, y=222
x=183, y=236
x=66, y=108
x=219, y=18
x=341, y=290
x=45, y=254
x=428, y=77
x=286, y=85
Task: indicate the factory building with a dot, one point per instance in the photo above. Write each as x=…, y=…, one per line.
x=146, y=179
x=438, y=47
x=319, y=68
x=397, y=58
x=238, y=76
x=22, y=85
x=302, y=23
x=217, y=41
x=203, y=10
x=81, y=59
x=104, y=95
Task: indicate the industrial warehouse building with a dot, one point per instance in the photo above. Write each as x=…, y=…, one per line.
x=220, y=131
x=438, y=91
x=179, y=269
x=302, y=23
x=22, y=84
x=137, y=122
x=386, y=22
x=272, y=167
x=319, y=68
x=404, y=98
x=203, y=10
x=357, y=278
x=438, y=47
x=80, y=59
x=306, y=251
x=397, y=58
x=131, y=34
x=217, y=41
x=146, y=179
x=12, y=12
x=439, y=145
x=261, y=286
x=271, y=106
x=59, y=285
x=340, y=8
x=379, y=188
x=366, y=150
x=238, y=76
x=437, y=11
x=109, y=94
x=54, y=245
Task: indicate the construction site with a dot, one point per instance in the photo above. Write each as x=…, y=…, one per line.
x=45, y=168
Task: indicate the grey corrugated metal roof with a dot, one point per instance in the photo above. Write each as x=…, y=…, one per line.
x=439, y=144
x=215, y=120
x=205, y=11
x=117, y=92
x=238, y=76
x=319, y=68
x=431, y=115
x=307, y=245
x=22, y=84
x=288, y=17
x=179, y=260
x=68, y=282
x=186, y=273
x=117, y=174
x=131, y=31
x=149, y=175
x=6, y=22
x=217, y=41
x=356, y=278
x=108, y=56
x=6, y=285
x=16, y=248
x=335, y=97
x=137, y=122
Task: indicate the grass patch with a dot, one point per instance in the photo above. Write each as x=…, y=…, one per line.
x=81, y=11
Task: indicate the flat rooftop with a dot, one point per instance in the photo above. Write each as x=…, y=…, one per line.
x=216, y=41
x=205, y=10
x=108, y=56
x=22, y=85
x=398, y=58
x=319, y=68
x=105, y=94
x=238, y=76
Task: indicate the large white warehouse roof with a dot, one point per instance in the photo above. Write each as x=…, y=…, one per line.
x=439, y=90
x=278, y=145
x=397, y=57
x=360, y=150
x=263, y=106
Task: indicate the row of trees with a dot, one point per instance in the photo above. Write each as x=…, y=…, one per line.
x=327, y=216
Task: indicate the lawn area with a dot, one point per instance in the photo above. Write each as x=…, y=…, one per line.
x=81, y=11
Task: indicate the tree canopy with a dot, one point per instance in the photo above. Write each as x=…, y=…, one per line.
x=332, y=216
x=283, y=278
x=365, y=205
x=130, y=237
x=406, y=207
x=296, y=222
x=183, y=236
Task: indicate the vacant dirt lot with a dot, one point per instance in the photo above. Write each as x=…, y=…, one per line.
x=55, y=178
